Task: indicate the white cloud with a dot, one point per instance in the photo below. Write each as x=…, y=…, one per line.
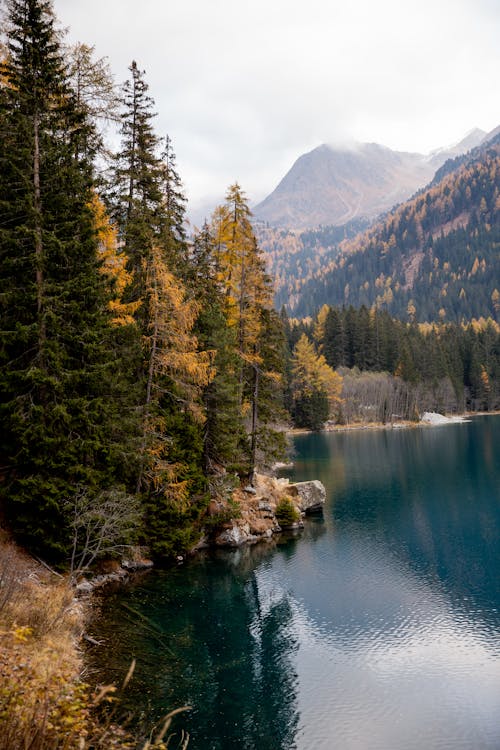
x=244, y=88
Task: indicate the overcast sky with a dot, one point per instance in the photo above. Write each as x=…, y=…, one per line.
x=244, y=87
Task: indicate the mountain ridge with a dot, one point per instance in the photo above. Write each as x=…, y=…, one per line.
x=436, y=255
x=332, y=185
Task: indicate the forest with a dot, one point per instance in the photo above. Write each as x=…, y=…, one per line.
x=143, y=359
x=393, y=371
x=134, y=363
x=433, y=258
x=292, y=257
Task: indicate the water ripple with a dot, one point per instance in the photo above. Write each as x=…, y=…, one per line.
x=378, y=629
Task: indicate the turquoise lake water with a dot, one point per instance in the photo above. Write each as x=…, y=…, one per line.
x=377, y=628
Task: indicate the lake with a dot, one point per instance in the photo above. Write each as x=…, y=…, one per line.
x=376, y=628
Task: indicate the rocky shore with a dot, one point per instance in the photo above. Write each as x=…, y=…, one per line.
x=259, y=506
x=247, y=515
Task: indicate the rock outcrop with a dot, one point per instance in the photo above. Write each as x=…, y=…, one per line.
x=109, y=571
x=310, y=496
x=257, y=519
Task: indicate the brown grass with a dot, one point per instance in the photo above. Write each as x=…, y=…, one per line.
x=41, y=699
x=44, y=705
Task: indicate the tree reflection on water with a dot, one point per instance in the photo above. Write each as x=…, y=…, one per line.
x=201, y=637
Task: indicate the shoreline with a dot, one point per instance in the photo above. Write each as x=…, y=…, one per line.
x=399, y=425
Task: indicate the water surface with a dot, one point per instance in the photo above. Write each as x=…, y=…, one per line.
x=378, y=628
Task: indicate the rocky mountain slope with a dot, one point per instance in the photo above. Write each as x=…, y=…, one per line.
x=334, y=185
x=435, y=257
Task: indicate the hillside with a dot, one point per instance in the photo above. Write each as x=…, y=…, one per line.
x=293, y=257
x=434, y=257
x=334, y=185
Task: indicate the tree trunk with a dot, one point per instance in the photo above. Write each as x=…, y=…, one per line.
x=149, y=387
x=253, y=446
x=38, y=236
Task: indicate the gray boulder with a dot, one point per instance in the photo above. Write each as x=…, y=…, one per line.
x=310, y=496
x=235, y=536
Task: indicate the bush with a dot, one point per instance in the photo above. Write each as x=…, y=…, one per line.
x=286, y=513
x=215, y=521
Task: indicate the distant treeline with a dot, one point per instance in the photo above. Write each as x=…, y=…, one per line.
x=393, y=369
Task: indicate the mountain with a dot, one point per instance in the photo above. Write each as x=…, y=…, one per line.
x=473, y=138
x=434, y=257
x=332, y=185
x=457, y=158
x=294, y=257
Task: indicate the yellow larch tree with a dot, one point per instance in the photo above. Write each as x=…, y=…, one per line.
x=248, y=303
x=113, y=265
x=174, y=366
x=241, y=275
x=316, y=387
x=319, y=326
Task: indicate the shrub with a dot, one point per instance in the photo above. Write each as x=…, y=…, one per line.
x=286, y=513
x=214, y=522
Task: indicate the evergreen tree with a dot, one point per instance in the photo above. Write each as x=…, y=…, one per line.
x=268, y=443
x=334, y=344
x=172, y=371
x=135, y=193
x=247, y=297
x=56, y=356
x=224, y=436
x=287, y=360
x=173, y=214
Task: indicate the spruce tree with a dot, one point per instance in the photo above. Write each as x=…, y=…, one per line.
x=334, y=341
x=224, y=437
x=56, y=365
x=268, y=437
x=172, y=370
x=135, y=190
x=173, y=214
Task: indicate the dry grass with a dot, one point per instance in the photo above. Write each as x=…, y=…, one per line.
x=43, y=703
x=41, y=699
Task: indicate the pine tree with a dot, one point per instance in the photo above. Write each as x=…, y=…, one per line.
x=224, y=437
x=287, y=360
x=172, y=227
x=135, y=191
x=173, y=370
x=56, y=353
x=334, y=340
x=247, y=302
x=269, y=414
